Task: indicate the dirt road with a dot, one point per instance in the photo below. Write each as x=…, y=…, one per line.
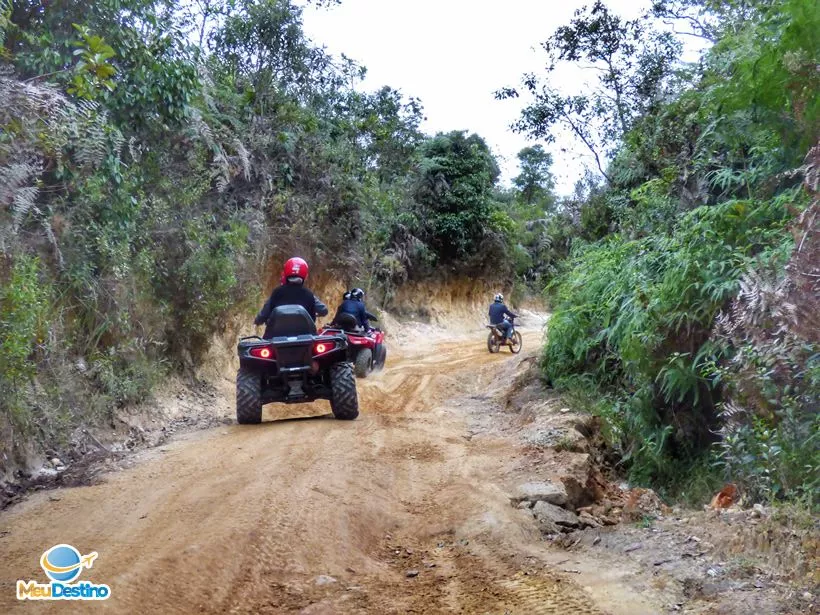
x=401, y=511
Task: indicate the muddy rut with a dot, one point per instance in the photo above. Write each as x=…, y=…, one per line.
x=401, y=511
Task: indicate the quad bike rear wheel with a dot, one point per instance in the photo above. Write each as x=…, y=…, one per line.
x=381, y=358
x=344, y=401
x=515, y=342
x=493, y=343
x=364, y=362
x=248, y=397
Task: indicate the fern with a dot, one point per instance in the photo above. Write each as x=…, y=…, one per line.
x=13, y=178
x=244, y=158
x=24, y=203
x=46, y=128
x=86, y=127
x=732, y=415
x=134, y=149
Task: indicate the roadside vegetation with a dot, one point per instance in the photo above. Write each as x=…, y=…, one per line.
x=686, y=313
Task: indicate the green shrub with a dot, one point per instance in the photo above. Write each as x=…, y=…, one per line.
x=25, y=309
x=126, y=377
x=206, y=282
x=775, y=458
x=633, y=319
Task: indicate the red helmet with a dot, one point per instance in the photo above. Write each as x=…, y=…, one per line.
x=297, y=267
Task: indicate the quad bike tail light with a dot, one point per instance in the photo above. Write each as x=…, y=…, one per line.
x=323, y=347
x=263, y=352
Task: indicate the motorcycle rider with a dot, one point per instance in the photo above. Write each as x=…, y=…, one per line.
x=497, y=313
x=354, y=304
x=291, y=292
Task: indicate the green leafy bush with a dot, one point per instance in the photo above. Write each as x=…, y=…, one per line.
x=686, y=317
x=634, y=318
x=208, y=281
x=126, y=376
x=777, y=457
x=25, y=310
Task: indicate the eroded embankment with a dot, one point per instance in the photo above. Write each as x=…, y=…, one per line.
x=721, y=559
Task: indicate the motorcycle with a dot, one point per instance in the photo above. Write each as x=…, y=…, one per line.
x=496, y=338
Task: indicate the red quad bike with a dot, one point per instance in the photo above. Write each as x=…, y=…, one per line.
x=295, y=365
x=366, y=351
x=496, y=339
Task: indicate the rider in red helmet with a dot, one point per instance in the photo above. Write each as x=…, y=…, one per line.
x=291, y=292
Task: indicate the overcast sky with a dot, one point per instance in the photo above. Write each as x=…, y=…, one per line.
x=453, y=54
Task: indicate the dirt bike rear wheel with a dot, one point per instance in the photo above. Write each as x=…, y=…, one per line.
x=493, y=345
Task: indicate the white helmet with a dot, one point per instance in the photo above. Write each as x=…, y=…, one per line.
x=499, y=298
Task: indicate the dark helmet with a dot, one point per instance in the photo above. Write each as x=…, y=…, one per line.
x=357, y=294
x=499, y=298
x=346, y=296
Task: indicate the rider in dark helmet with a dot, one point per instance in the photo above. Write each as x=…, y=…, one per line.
x=291, y=292
x=497, y=313
x=354, y=304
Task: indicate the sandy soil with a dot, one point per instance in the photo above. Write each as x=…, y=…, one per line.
x=401, y=511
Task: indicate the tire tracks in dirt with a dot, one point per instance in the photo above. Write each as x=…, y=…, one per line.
x=312, y=515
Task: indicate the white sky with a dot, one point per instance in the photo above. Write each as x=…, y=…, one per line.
x=453, y=54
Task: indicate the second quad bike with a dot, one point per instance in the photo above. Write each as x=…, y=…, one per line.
x=366, y=350
x=294, y=365
x=496, y=339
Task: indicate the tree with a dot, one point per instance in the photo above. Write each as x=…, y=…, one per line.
x=707, y=19
x=263, y=41
x=632, y=62
x=535, y=181
x=767, y=71
x=386, y=128
x=454, y=193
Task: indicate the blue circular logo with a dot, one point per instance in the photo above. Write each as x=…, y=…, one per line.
x=62, y=563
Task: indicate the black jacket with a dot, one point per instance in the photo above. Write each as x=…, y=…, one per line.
x=357, y=308
x=497, y=313
x=291, y=294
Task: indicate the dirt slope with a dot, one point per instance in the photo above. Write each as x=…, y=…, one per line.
x=401, y=511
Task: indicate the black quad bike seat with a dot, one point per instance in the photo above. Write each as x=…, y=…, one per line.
x=290, y=321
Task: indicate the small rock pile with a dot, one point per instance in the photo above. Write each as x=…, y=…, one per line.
x=555, y=512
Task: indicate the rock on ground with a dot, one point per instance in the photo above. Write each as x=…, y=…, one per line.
x=549, y=515
x=553, y=493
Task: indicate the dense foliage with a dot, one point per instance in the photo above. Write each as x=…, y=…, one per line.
x=682, y=315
